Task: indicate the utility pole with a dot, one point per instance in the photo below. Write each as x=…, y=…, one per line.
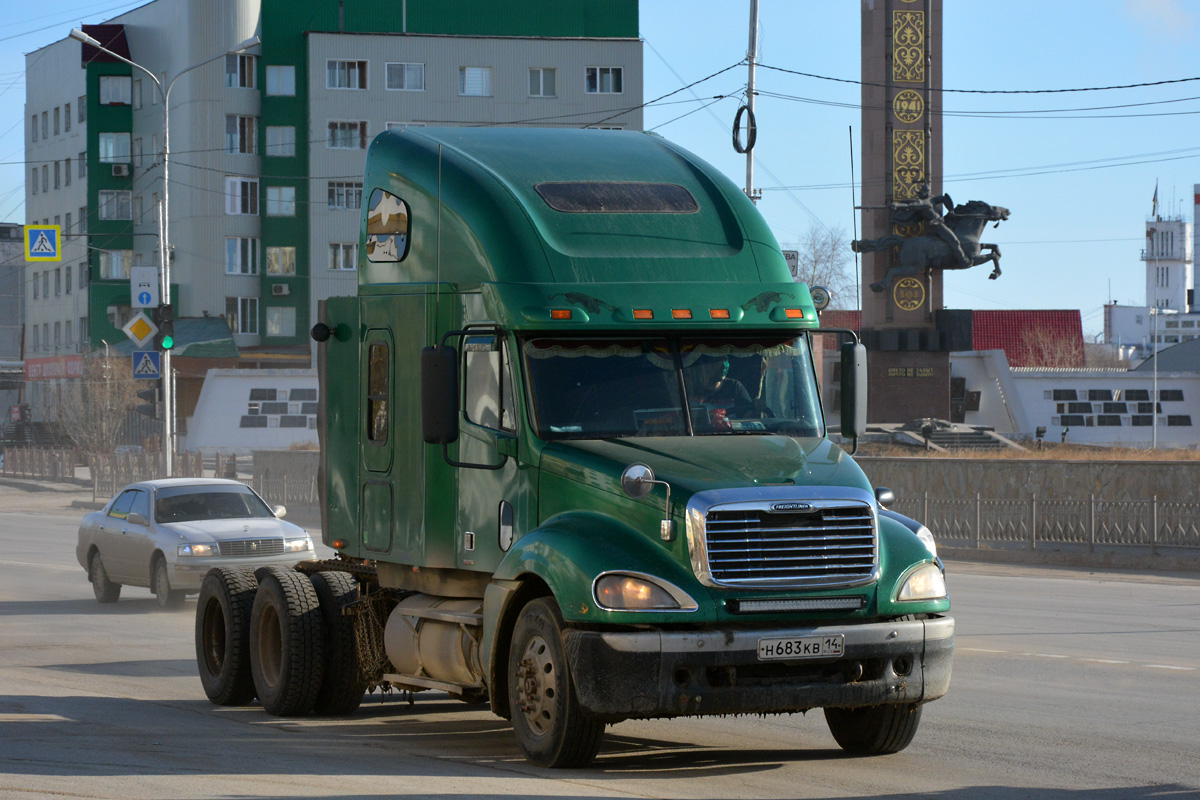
x=751, y=58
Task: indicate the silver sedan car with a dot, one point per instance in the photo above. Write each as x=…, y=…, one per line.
x=166, y=534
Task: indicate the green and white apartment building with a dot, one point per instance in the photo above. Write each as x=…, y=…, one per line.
x=267, y=146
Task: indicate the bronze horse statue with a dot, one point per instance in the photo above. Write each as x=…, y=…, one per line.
x=919, y=253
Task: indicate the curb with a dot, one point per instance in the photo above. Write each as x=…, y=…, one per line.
x=1061, y=558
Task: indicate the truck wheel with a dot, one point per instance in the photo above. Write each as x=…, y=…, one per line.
x=343, y=687
x=552, y=728
x=223, y=635
x=168, y=598
x=105, y=590
x=287, y=643
x=875, y=730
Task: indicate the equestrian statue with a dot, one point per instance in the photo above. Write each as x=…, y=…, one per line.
x=949, y=242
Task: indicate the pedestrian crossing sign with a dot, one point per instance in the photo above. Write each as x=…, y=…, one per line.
x=147, y=364
x=43, y=243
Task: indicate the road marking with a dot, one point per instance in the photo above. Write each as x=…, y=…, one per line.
x=1080, y=659
x=43, y=566
x=1103, y=661
x=1047, y=655
x=32, y=718
x=1169, y=666
x=981, y=650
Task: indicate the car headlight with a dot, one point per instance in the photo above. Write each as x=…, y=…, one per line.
x=623, y=591
x=926, y=537
x=297, y=545
x=926, y=582
x=199, y=550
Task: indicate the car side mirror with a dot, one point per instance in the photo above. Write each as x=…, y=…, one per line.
x=854, y=390
x=884, y=497
x=636, y=481
x=439, y=395
x=135, y=518
x=279, y=511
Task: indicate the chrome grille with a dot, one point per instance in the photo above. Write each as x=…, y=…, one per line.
x=826, y=546
x=252, y=547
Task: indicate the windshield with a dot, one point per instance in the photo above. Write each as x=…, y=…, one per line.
x=191, y=503
x=611, y=388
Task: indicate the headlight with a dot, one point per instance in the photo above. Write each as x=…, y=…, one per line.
x=199, y=550
x=297, y=545
x=626, y=592
x=926, y=582
x=926, y=537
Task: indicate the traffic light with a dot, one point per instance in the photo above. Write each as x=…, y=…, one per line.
x=164, y=318
x=153, y=398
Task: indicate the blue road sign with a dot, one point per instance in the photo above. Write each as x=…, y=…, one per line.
x=41, y=243
x=145, y=298
x=146, y=364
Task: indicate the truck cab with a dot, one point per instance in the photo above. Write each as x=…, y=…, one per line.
x=571, y=425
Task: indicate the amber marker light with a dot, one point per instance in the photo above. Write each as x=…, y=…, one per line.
x=643, y=313
x=560, y=313
x=339, y=544
x=681, y=313
x=718, y=313
x=794, y=313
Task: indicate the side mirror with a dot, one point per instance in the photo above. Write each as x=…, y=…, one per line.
x=637, y=480
x=279, y=511
x=884, y=496
x=854, y=390
x=439, y=395
x=135, y=518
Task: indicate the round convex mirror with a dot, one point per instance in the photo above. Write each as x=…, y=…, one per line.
x=637, y=480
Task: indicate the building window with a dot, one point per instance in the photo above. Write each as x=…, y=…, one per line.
x=241, y=134
x=67, y=118
x=45, y=177
x=475, y=81
x=114, y=148
x=57, y=335
x=137, y=95
x=57, y=119
x=281, y=201
x=239, y=71
x=34, y=182
x=116, y=90
x=378, y=386
x=281, y=80
x=34, y=127
x=345, y=74
x=82, y=165
x=345, y=195
x=1179, y=420
x=83, y=219
x=541, y=82
x=58, y=282
x=67, y=280
x=114, y=264
x=67, y=171
x=241, y=256
x=281, y=140
x=281, y=261
x=67, y=227
x=35, y=286
x=83, y=277
x=36, y=343
x=57, y=175
x=281, y=321
x=604, y=80
x=45, y=126
x=1167, y=395
x=404, y=77
x=348, y=135
x=67, y=333
x=241, y=196
x=82, y=106
x=115, y=204
x=242, y=314
x=343, y=256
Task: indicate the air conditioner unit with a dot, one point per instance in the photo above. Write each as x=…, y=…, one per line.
x=281, y=289
x=120, y=170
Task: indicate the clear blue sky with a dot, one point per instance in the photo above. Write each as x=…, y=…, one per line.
x=1079, y=183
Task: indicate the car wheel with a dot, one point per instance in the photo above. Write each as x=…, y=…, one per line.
x=223, y=635
x=168, y=598
x=551, y=726
x=287, y=638
x=874, y=730
x=105, y=590
x=343, y=686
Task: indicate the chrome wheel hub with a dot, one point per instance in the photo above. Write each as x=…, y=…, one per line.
x=536, y=693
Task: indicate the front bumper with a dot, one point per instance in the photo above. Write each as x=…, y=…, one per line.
x=669, y=673
x=188, y=574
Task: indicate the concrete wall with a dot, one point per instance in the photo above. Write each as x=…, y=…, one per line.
x=229, y=398
x=909, y=478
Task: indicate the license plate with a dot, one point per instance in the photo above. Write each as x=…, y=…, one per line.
x=801, y=647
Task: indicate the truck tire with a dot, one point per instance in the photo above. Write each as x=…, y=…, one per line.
x=223, y=635
x=287, y=642
x=343, y=686
x=105, y=590
x=168, y=599
x=552, y=728
x=874, y=730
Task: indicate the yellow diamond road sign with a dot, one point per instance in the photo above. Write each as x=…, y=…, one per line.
x=140, y=329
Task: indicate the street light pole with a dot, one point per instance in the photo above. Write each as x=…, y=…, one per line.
x=164, y=258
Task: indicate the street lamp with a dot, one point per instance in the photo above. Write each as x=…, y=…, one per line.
x=164, y=261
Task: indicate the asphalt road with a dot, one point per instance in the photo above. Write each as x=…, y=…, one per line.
x=1066, y=684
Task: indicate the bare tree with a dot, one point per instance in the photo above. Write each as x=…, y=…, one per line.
x=93, y=409
x=825, y=260
x=1042, y=347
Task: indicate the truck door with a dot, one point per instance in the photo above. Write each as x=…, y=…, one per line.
x=377, y=392
x=492, y=502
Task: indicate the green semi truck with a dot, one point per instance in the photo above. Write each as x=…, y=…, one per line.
x=575, y=465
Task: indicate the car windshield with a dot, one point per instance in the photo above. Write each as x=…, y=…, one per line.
x=611, y=388
x=190, y=503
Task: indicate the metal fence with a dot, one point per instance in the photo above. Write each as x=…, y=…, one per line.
x=39, y=463
x=291, y=492
x=1032, y=522
x=111, y=472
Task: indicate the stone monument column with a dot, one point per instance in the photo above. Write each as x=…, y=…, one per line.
x=901, y=134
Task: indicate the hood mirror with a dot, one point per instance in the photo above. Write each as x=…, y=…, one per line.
x=637, y=480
